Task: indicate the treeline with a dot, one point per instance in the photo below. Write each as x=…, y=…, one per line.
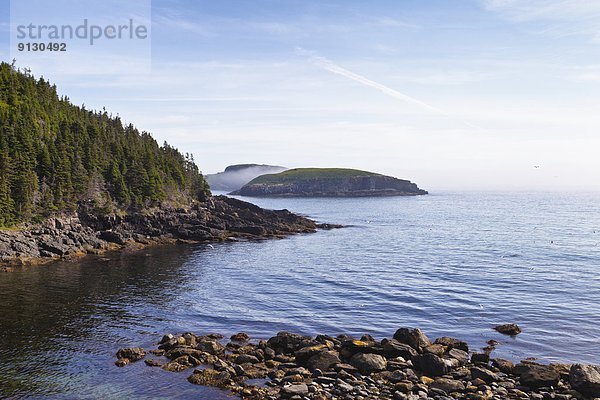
x=54, y=155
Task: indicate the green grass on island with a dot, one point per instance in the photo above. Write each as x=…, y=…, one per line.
x=303, y=174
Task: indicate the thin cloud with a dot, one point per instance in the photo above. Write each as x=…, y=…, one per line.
x=562, y=18
x=330, y=66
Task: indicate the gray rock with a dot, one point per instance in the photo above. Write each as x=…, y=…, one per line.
x=448, y=385
x=508, y=329
x=535, y=376
x=460, y=355
x=246, y=358
x=367, y=363
x=452, y=343
x=393, y=348
x=132, y=353
x=585, y=379
x=484, y=374
x=295, y=390
x=430, y=364
x=412, y=337
x=323, y=361
x=211, y=347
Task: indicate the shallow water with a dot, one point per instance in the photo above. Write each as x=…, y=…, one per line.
x=451, y=263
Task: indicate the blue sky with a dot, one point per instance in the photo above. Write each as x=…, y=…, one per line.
x=450, y=94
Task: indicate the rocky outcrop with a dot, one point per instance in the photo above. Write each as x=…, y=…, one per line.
x=218, y=219
x=346, y=183
x=325, y=367
x=236, y=176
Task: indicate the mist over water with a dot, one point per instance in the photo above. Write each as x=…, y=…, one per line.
x=453, y=264
x=236, y=176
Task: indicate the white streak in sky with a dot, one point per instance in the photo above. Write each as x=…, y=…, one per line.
x=330, y=66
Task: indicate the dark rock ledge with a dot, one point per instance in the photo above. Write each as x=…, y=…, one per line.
x=218, y=219
x=407, y=367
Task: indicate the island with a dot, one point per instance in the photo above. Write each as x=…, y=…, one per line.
x=236, y=176
x=328, y=182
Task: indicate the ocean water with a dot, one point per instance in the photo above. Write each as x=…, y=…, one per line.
x=454, y=264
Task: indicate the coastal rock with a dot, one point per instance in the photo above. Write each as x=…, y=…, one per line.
x=133, y=354
x=295, y=390
x=240, y=337
x=484, y=374
x=323, y=361
x=452, y=343
x=217, y=219
x=412, y=337
x=393, y=348
x=448, y=385
x=585, y=379
x=461, y=356
x=536, y=376
x=367, y=363
x=503, y=365
x=430, y=364
x=374, y=373
x=288, y=343
x=210, y=377
x=508, y=329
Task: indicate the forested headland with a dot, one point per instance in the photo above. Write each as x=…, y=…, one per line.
x=55, y=155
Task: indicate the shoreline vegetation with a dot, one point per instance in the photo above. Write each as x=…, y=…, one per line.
x=408, y=366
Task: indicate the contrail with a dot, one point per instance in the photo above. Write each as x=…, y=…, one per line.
x=336, y=69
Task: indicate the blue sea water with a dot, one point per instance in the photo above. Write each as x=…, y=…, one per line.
x=454, y=264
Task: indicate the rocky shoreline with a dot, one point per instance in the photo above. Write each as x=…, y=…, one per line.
x=218, y=219
x=407, y=367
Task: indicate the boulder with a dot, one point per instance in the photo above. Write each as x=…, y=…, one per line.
x=240, y=337
x=508, y=329
x=299, y=389
x=536, y=376
x=503, y=365
x=246, y=359
x=484, y=374
x=210, y=377
x=452, y=343
x=448, y=385
x=288, y=343
x=430, y=364
x=322, y=361
x=585, y=379
x=211, y=347
x=367, y=363
x=461, y=356
x=393, y=348
x=412, y=337
x=132, y=353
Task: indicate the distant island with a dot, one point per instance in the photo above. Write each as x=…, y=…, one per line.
x=328, y=182
x=236, y=176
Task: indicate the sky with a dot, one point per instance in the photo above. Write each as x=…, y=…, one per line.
x=462, y=94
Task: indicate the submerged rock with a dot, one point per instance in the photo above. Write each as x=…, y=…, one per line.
x=508, y=329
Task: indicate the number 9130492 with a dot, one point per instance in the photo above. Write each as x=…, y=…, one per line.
x=51, y=46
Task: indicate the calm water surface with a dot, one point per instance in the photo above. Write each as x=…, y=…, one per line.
x=451, y=263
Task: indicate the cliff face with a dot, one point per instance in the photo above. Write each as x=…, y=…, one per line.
x=351, y=186
x=236, y=176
